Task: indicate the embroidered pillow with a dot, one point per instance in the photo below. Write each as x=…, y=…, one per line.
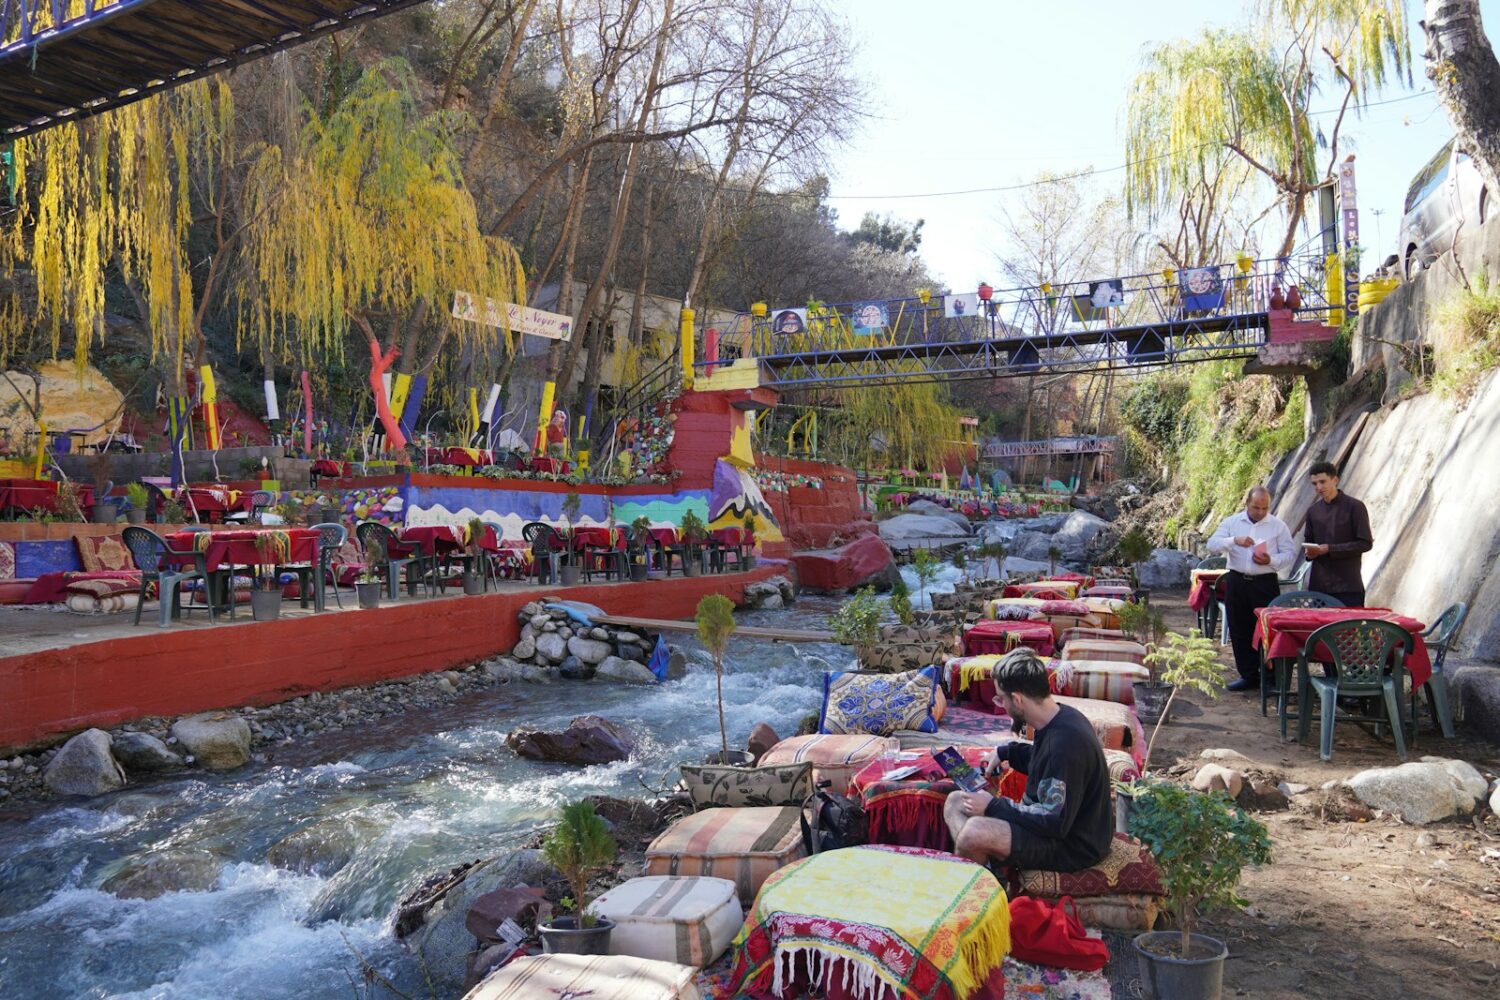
x=1128, y=868
x=1013, y=612
x=879, y=704
x=777, y=785
x=104, y=554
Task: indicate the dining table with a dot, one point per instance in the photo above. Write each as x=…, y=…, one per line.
x=224, y=551
x=1204, y=586
x=26, y=495
x=213, y=503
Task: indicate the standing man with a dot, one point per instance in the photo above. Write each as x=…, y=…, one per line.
x=1259, y=548
x=1338, y=533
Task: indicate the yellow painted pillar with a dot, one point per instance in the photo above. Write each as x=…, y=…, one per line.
x=549, y=390
x=686, y=335
x=1333, y=267
x=473, y=413
x=41, y=448
x=210, y=408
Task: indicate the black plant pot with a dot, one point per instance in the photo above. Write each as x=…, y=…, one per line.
x=639, y=572
x=570, y=575
x=369, y=594
x=265, y=605
x=103, y=513
x=473, y=584
x=136, y=515
x=564, y=937
x=1166, y=975
x=1151, y=701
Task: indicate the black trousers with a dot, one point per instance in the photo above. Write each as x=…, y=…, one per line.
x=1349, y=598
x=1242, y=597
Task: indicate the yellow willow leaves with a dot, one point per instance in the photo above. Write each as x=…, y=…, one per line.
x=368, y=216
x=45, y=20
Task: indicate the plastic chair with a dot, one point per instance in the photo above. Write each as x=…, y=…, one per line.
x=606, y=559
x=1369, y=662
x=1439, y=638
x=150, y=551
x=1291, y=599
x=260, y=502
x=331, y=538
x=719, y=552
x=377, y=541
x=1214, y=612
x=545, y=542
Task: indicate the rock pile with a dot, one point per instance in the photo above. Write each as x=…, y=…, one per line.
x=553, y=644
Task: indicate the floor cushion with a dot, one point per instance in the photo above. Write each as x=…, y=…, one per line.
x=103, y=596
x=880, y=704
x=1127, y=868
x=1131, y=911
x=1116, y=724
x=778, y=785
x=900, y=657
x=1106, y=609
x=962, y=726
x=103, y=553
x=686, y=919
x=744, y=845
x=1099, y=679
x=1074, y=634
x=1024, y=607
x=597, y=977
x=834, y=758
x=1122, y=766
x=1116, y=650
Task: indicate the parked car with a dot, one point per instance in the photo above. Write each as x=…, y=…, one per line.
x=1447, y=193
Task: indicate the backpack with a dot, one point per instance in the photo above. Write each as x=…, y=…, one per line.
x=836, y=821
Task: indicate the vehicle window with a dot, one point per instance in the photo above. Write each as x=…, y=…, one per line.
x=1429, y=177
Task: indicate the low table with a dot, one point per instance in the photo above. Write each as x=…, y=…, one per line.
x=908, y=812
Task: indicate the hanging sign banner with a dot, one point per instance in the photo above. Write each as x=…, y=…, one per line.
x=519, y=319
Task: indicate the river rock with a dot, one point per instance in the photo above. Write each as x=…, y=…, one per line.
x=553, y=646
x=1218, y=778
x=601, y=634
x=323, y=847
x=574, y=669
x=676, y=665
x=633, y=651
x=218, y=742
x=1495, y=798
x=443, y=941
x=1262, y=796
x=1421, y=792
x=906, y=527
x=938, y=510
x=587, y=740
x=1077, y=533
x=525, y=649
x=590, y=651
x=144, y=752
x=759, y=593
x=84, y=766
x=161, y=872
x=762, y=739
x=1167, y=569
x=615, y=668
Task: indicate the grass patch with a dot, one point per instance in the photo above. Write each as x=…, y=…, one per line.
x=1465, y=337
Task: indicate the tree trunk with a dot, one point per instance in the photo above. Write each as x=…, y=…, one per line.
x=1463, y=70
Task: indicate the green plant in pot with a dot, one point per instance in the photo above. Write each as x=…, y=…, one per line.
x=102, y=511
x=579, y=847
x=1201, y=842
x=474, y=566
x=900, y=601
x=140, y=502
x=925, y=565
x=749, y=538
x=1132, y=617
x=640, y=556
x=1178, y=662
x=1134, y=548
x=857, y=623
x=367, y=588
x=572, y=505
x=694, y=534
x=715, y=625
x=961, y=563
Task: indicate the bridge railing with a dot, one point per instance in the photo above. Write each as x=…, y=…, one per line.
x=1067, y=313
x=1087, y=445
x=22, y=20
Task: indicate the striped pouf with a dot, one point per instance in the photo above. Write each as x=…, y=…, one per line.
x=597, y=977
x=744, y=845
x=687, y=919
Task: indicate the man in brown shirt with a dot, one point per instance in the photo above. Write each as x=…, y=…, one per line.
x=1338, y=528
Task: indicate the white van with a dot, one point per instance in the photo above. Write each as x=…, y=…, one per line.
x=1448, y=193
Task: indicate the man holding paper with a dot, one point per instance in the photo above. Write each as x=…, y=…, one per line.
x=1259, y=549
x=1337, y=534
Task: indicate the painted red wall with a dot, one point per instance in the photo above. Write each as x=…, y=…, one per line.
x=811, y=518
x=181, y=670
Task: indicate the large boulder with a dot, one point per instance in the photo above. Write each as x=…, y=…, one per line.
x=1167, y=569
x=443, y=941
x=908, y=527
x=1032, y=547
x=616, y=668
x=552, y=646
x=763, y=595
x=323, y=847
x=1015, y=565
x=1076, y=535
x=590, y=651
x=865, y=561
x=84, y=766
x=938, y=510
x=1422, y=791
x=587, y=740
x=144, y=752
x=218, y=742
x=1218, y=778
x=161, y=872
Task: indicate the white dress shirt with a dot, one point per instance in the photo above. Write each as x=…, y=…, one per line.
x=1270, y=529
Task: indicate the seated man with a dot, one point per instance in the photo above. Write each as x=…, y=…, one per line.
x=1064, y=821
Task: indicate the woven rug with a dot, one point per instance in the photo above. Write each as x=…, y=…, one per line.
x=1039, y=982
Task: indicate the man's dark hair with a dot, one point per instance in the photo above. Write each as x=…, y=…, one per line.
x=1324, y=469
x=1022, y=672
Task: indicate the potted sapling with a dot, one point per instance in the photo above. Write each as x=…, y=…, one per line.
x=749, y=540
x=900, y=601
x=1176, y=662
x=265, y=598
x=571, y=571
x=715, y=625
x=639, y=553
x=857, y=624
x=140, y=501
x=580, y=847
x=694, y=534
x=1201, y=843
x=925, y=565
x=474, y=566
x=1135, y=548
x=102, y=511
x=367, y=587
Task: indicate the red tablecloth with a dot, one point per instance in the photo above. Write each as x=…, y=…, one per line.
x=909, y=812
x=440, y=539
x=1001, y=637
x=329, y=467
x=34, y=494
x=1205, y=587
x=238, y=548
x=1082, y=579
x=665, y=536
x=1283, y=632
x=554, y=465
x=215, y=500
x=599, y=536
x=1036, y=590
x=729, y=536
x=467, y=457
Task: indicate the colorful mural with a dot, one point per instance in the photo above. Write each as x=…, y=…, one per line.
x=510, y=509
x=665, y=511
x=735, y=496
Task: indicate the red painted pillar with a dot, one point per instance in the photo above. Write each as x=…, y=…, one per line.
x=710, y=348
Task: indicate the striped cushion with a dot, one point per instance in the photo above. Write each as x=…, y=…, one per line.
x=1106, y=650
x=744, y=845
x=687, y=919
x=1074, y=634
x=834, y=757
x=1131, y=911
x=1122, y=766
x=598, y=977
x=1115, y=724
x=1098, y=679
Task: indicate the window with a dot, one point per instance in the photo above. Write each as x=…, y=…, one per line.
x=1430, y=176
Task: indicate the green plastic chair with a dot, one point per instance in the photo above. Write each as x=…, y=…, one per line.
x=1208, y=618
x=1439, y=639
x=1290, y=599
x=1369, y=662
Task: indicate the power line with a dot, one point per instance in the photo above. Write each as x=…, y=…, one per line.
x=1082, y=173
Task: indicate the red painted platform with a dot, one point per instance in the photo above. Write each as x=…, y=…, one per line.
x=54, y=692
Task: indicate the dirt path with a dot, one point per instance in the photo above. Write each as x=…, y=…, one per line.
x=1375, y=910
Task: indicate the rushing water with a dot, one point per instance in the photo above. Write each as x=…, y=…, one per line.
x=424, y=791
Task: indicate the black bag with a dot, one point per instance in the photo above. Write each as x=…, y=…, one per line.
x=836, y=821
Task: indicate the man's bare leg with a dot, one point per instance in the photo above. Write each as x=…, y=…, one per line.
x=978, y=838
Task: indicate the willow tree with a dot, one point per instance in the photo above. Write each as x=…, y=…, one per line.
x=367, y=223
x=905, y=425
x=1247, y=93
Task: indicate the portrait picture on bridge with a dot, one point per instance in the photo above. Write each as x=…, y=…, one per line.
x=1202, y=289
x=1107, y=294
x=789, y=321
x=959, y=306
x=870, y=318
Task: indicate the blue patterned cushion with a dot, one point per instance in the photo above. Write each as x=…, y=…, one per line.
x=879, y=704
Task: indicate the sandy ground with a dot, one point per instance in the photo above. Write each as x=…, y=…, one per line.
x=1375, y=910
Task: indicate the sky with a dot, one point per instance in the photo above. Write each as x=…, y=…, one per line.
x=988, y=93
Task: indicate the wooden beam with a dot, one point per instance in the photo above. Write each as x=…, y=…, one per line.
x=744, y=631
